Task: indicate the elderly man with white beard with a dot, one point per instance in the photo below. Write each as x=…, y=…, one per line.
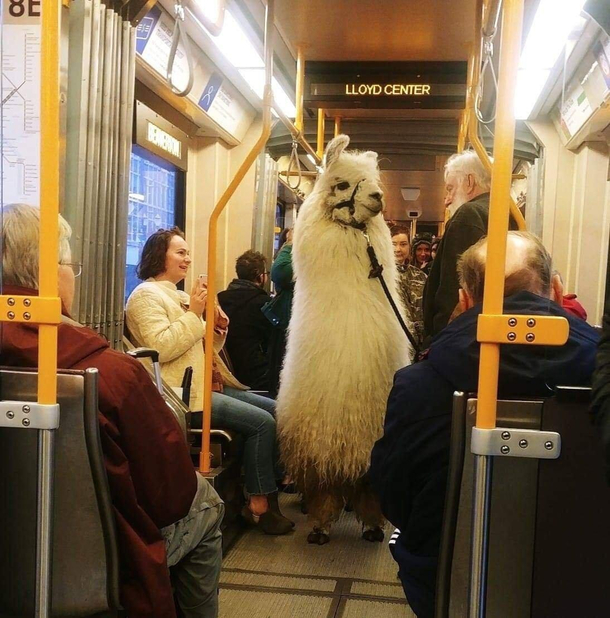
x=467, y=185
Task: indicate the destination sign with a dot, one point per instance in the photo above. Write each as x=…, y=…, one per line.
x=164, y=140
x=387, y=89
x=385, y=85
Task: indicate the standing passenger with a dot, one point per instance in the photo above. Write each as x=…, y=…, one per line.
x=162, y=317
x=166, y=514
x=467, y=184
x=422, y=253
x=412, y=280
x=280, y=309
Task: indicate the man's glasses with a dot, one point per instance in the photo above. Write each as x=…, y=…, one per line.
x=76, y=267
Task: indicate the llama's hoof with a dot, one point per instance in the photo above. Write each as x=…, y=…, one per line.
x=304, y=509
x=318, y=537
x=373, y=534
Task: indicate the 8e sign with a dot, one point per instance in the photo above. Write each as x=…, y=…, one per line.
x=21, y=8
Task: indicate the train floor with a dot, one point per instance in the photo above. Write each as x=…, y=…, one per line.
x=285, y=577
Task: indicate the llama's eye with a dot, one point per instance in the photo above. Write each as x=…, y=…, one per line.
x=343, y=185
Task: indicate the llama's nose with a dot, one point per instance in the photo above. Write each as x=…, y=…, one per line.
x=377, y=195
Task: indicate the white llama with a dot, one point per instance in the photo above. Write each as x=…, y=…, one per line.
x=344, y=343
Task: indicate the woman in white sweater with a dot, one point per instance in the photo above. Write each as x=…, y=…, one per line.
x=162, y=317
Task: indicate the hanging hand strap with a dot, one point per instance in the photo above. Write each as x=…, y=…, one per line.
x=294, y=162
x=180, y=33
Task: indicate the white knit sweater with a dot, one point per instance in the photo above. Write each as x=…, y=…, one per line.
x=156, y=318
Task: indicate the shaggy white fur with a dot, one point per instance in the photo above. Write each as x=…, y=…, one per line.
x=344, y=342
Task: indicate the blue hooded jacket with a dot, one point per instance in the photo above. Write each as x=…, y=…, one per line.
x=409, y=464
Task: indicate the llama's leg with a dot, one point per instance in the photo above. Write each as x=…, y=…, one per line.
x=368, y=510
x=324, y=504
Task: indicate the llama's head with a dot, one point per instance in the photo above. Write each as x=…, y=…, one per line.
x=349, y=185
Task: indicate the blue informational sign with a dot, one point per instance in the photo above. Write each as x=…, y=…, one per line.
x=145, y=28
x=210, y=91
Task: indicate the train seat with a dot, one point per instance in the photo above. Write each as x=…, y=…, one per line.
x=85, y=564
x=549, y=534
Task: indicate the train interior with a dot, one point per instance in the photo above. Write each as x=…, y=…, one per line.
x=153, y=133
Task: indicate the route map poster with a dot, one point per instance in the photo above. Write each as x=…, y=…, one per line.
x=21, y=31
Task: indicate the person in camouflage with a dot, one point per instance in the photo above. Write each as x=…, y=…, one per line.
x=412, y=280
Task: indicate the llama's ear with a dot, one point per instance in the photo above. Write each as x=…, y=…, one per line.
x=371, y=155
x=335, y=148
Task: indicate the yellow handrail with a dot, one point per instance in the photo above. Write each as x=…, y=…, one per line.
x=470, y=123
x=320, y=144
x=300, y=83
x=204, y=456
x=499, y=207
x=337, y=125
x=49, y=196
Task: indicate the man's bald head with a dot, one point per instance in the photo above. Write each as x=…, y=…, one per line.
x=528, y=267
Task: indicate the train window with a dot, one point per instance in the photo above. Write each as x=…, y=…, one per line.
x=156, y=201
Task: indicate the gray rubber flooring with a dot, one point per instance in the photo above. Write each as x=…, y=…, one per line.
x=285, y=577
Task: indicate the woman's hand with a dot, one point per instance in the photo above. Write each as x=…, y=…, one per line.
x=199, y=294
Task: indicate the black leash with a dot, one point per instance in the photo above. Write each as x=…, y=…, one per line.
x=376, y=273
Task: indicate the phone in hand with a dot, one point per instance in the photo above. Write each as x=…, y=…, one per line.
x=203, y=280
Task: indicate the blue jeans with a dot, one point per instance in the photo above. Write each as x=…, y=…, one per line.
x=252, y=416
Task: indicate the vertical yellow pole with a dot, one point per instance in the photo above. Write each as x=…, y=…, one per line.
x=300, y=85
x=49, y=195
x=499, y=207
x=204, y=456
x=320, y=148
x=337, y=125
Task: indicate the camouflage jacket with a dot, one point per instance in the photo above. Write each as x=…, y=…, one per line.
x=411, y=284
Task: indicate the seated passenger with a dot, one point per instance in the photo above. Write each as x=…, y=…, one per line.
x=161, y=316
x=569, y=302
x=166, y=514
x=410, y=462
x=412, y=280
x=248, y=337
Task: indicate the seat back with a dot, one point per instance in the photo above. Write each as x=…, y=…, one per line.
x=85, y=565
x=573, y=515
x=546, y=518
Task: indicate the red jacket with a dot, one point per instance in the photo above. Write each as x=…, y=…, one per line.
x=151, y=477
x=571, y=305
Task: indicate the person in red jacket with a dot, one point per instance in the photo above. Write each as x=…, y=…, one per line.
x=568, y=301
x=168, y=516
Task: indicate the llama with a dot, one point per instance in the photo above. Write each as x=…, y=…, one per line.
x=344, y=343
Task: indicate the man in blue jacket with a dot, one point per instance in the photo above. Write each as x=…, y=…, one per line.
x=410, y=462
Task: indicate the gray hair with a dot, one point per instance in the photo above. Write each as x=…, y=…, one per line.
x=535, y=276
x=20, y=238
x=468, y=162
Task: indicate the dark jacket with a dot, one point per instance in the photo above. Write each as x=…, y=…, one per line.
x=601, y=384
x=282, y=275
x=150, y=473
x=249, y=332
x=464, y=229
x=410, y=462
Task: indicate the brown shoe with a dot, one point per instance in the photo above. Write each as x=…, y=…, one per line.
x=274, y=506
x=269, y=522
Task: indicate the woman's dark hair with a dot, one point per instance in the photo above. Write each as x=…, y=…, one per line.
x=283, y=235
x=152, y=262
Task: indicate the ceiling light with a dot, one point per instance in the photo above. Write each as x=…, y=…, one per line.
x=410, y=194
x=256, y=81
x=237, y=48
x=553, y=22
